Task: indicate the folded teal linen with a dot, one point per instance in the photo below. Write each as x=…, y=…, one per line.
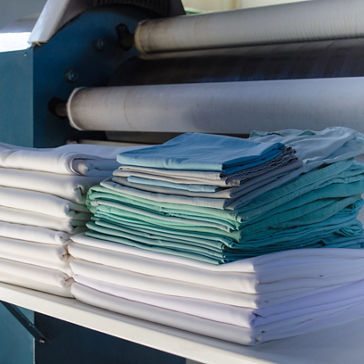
x=316, y=148
x=299, y=185
x=249, y=185
x=194, y=151
x=211, y=178
x=213, y=241
x=219, y=240
x=291, y=196
x=325, y=234
x=283, y=164
x=176, y=198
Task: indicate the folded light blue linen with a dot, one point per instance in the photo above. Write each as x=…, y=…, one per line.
x=315, y=148
x=194, y=151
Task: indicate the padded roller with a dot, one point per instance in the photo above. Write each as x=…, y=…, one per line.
x=286, y=23
x=224, y=107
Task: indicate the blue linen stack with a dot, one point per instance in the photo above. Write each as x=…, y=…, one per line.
x=218, y=199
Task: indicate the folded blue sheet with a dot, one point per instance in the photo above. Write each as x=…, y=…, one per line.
x=203, y=152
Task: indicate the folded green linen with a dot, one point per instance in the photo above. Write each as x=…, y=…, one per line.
x=107, y=200
x=212, y=248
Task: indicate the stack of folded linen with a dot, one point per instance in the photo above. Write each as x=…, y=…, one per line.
x=219, y=199
x=148, y=251
x=249, y=301
x=42, y=202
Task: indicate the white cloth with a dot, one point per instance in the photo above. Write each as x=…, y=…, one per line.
x=33, y=233
x=42, y=203
x=326, y=316
x=280, y=315
x=277, y=275
x=173, y=287
x=71, y=159
x=72, y=188
x=16, y=216
x=171, y=318
x=122, y=277
x=233, y=315
x=245, y=265
x=34, y=277
x=45, y=255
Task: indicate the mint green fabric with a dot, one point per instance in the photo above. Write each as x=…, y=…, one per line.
x=177, y=216
x=322, y=235
x=310, y=222
x=314, y=210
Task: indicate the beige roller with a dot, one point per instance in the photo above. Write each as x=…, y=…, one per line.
x=296, y=22
x=226, y=107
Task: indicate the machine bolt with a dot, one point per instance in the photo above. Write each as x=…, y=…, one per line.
x=71, y=76
x=99, y=44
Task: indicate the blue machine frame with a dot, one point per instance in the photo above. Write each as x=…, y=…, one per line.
x=86, y=52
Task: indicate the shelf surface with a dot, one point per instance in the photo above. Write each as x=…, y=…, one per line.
x=336, y=345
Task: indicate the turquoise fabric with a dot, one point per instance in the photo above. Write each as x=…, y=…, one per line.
x=316, y=148
x=302, y=184
x=266, y=173
x=171, y=185
x=309, y=222
x=194, y=151
x=310, y=206
x=323, y=235
x=289, y=197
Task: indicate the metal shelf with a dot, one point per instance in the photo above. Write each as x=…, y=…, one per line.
x=336, y=345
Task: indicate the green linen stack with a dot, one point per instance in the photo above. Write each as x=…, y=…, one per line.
x=311, y=210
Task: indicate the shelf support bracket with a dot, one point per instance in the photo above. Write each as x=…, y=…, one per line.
x=25, y=322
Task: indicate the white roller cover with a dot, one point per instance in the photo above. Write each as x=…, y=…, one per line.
x=303, y=21
x=226, y=107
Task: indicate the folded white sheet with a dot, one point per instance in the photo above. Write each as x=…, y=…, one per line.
x=270, y=277
x=227, y=314
x=93, y=271
x=162, y=316
x=325, y=318
x=79, y=159
x=279, y=315
x=16, y=216
x=72, y=188
x=42, y=203
x=245, y=265
x=334, y=297
x=122, y=277
x=34, y=277
x=44, y=255
x=33, y=233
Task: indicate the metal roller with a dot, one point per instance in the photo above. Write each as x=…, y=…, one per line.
x=224, y=107
x=297, y=22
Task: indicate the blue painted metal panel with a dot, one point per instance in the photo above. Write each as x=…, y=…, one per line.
x=89, y=49
x=16, y=97
x=16, y=344
x=30, y=78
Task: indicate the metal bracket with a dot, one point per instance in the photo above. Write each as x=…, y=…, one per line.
x=25, y=322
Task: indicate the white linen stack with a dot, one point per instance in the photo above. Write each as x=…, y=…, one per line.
x=249, y=301
x=42, y=203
